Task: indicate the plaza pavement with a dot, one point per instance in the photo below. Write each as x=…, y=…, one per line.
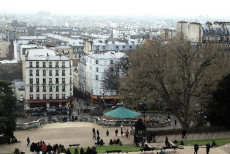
x=81, y=133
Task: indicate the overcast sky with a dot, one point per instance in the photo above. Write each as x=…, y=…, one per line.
x=169, y=8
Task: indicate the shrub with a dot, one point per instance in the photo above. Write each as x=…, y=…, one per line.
x=16, y=151
x=4, y=139
x=213, y=144
x=181, y=142
x=175, y=142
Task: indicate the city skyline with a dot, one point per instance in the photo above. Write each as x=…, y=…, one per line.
x=177, y=8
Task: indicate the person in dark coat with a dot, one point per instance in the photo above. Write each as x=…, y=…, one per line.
x=107, y=133
x=81, y=151
x=208, y=148
x=28, y=141
x=196, y=147
x=97, y=132
x=116, y=132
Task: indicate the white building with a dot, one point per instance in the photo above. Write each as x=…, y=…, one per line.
x=95, y=66
x=48, y=79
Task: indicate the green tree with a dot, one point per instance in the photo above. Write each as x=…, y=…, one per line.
x=177, y=73
x=218, y=108
x=7, y=103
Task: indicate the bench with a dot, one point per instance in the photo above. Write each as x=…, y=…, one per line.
x=71, y=145
x=171, y=146
x=147, y=149
x=113, y=151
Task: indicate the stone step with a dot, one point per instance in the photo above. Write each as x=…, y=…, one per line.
x=223, y=135
x=209, y=136
x=196, y=137
x=216, y=135
x=203, y=136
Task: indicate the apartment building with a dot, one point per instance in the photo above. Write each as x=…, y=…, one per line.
x=48, y=79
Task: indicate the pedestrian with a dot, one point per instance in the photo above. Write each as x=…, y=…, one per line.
x=208, y=148
x=183, y=134
x=28, y=141
x=127, y=133
x=196, y=147
x=98, y=139
x=94, y=136
x=116, y=132
x=121, y=131
x=81, y=151
x=175, y=122
x=168, y=117
x=166, y=141
x=98, y=133
x=107, y=133
x=93, y=130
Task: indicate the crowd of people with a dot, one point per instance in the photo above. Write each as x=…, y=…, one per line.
x=42, y=147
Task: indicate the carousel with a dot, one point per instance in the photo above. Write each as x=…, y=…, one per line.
x=119, y=116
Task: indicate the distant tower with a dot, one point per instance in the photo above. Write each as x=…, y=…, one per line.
x=182, y=30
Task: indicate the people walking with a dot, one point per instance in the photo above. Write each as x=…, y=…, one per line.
x=127, y=133
x=116, y=132
x=196, y=147
x=93, y=130
x=175, y=122
x=121, y=131
x=207, y=148
x=166, y=141
x=98, y=133
x=28, y=141
x=107, y=133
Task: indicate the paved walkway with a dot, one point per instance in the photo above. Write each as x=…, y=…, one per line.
x=81, y=133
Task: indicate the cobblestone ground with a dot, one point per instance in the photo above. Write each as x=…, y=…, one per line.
x=81, y=133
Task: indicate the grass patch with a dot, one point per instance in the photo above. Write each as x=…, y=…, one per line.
x=103, y=149
x=219, y=142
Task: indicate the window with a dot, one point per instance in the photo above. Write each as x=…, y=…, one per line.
x=96, y=61
x=44, y=80
x=31, y=97
x=50, y=64
x=63, y=80
x=50, y=89
x=51, y=96
x=63, y=96
x=70, y=64
x=70, y=88
x=70, y=71
x=57, y=80
x=37, y=80
x=44, y=72
x=44, y=88
x=44, y=64
x=63, y=72
x=57, y=88
x=57, y=64
x=37, y=72
x=96, y=77
x=70, y=80
x=44, y=96
x=38, y=96
x=57, y=96
x=111, y=61
x=63, y=88
x=57, y=72
x=31, y=72
x=31, y=64
x=31, y=81
x=37, y=64
x=130, y=47
x=50, y=72
x=31, y=88
x=63, y=64
x=37, y=88
x=50, y=80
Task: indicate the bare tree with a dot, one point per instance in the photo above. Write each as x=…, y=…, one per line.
x=177, y=73
x=113, y=73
